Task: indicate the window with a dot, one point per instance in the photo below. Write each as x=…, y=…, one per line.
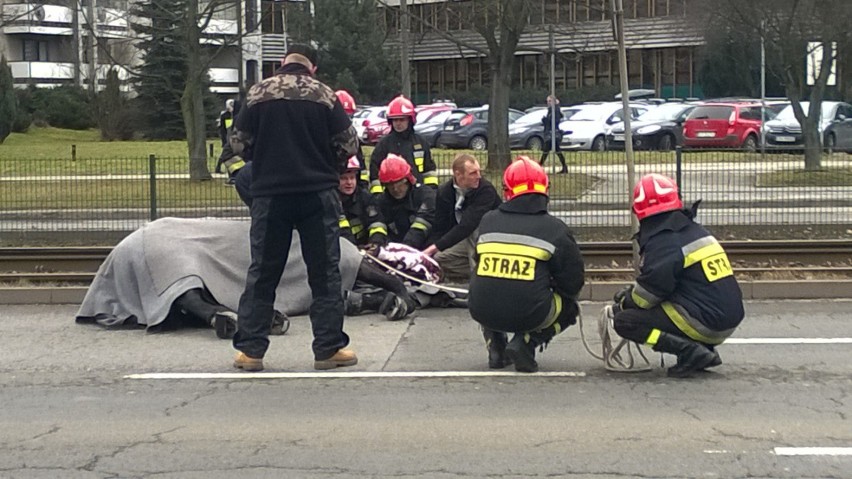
x=272, y=20
x=35, y=51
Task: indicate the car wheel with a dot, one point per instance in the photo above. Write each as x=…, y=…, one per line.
x=666, y=143
x=830, y=143
x=750, y=144
x=478, y=143
x=599, y=144
x=535, y=143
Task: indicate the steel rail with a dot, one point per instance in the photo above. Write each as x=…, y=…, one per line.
x=613, y=257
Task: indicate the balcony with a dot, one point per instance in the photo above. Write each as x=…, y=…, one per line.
x=224, y=80
x=50, y=74
x=40, y=19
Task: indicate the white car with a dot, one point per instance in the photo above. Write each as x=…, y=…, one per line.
x=366, y=116
x=586, y=129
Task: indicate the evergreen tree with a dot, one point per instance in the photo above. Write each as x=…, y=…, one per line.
x=114, y=115
x=163, y=73
x=8, y=101
x=350, y=41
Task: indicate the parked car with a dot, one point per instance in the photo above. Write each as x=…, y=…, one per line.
x=527, y=132
x=371, y=124
x=658, y=129
x=835, y=127
x=586, y=129
x=468, y=128
x=723, y=125
x=431, y=125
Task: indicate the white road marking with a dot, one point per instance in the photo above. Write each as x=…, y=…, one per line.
x=813, y=451
x=357, y=375
x=788, y=341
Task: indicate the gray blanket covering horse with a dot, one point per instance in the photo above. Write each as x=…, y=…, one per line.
x=154, y=265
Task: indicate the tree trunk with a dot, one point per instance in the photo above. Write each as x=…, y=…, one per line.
x=192, y=108
x=499, y=155
x=192, y=100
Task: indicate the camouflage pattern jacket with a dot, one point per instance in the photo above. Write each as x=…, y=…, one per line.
x=297, y=131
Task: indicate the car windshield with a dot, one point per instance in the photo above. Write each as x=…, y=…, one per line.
x=716, y=112
x=531, y=118
x=434, y=117
x=787, y=114
x=590, y=113
x=361, y=114
x=663, y=113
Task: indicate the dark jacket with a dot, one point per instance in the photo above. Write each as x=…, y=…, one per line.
x=410, y=219
x=410, y=146
x=361, y=222
x=547, y=122
x=298, y=133
x=447, y=231
x=683, y=264
x=523, y=255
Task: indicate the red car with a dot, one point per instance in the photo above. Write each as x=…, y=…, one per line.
x=723, y=125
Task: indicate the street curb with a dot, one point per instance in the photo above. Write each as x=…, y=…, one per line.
x=596, y=291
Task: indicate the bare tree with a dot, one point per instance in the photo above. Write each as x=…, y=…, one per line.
x=793, y=30
x=496, y=29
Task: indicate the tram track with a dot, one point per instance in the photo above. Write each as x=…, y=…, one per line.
x=605, y=261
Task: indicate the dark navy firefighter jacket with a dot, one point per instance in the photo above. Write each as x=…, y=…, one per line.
x=685, y=270
x=524, y=255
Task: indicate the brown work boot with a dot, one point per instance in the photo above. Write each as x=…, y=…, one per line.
x=247, y=363
x=343, y=357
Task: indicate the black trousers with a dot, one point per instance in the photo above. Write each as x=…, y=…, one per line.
x=636, y=324
x=315, y=216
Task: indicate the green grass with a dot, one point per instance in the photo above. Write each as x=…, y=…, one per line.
x=822, y=177
x=55, y=144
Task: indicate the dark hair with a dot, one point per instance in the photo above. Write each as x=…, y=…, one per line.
x=306, y=51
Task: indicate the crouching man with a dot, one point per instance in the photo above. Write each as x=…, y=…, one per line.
x=529, y=271
x=685, y=300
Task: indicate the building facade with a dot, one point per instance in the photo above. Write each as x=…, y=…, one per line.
x=661, y=46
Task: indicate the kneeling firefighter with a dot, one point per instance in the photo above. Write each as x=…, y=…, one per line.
x=529, y=271
x=685, y=300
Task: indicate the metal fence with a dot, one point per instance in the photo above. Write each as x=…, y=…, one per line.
x=742, y=192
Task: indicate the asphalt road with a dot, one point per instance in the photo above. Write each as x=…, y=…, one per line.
x=68, y=409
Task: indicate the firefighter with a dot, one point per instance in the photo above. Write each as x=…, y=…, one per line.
x=230, y=160
x=402, y=141
x=685, y=300
x=529, y=271
x=408, y=208
x=350, y=108
x=360, y=221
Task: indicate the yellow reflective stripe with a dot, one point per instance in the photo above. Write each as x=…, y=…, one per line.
x=418, y=161
x=556, y=310
x=228, y=122
x=234, y=165
x=642, y=297
x=343, y=222
x=702, y=253
x=430, y=180
x=419, y=226
x=524, y=187
x=514, y=249
x=357, y=229
x=377, y=189
x=365, y=176
x=639, y=300
x=377, y=230
x=653, y=337
x=683, y=325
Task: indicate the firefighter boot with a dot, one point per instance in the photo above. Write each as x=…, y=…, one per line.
x=496, y=343
x=225, y=323
x=717, y=360
x=356, y=303
x=691, y=356
x=521, y=351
